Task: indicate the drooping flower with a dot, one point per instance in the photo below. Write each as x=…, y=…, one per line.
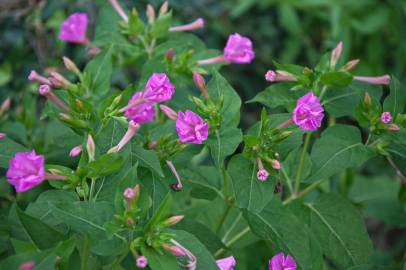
x=308, y=113
x=142, y=112
x=239, y=49
x=262, y=174
x=158, y=88
x=384, y=80
x=226, y=263
x=73, y=29
x=282, y=262
x=386, y=117
x=198, y=24
x=142, y=262
x=191, y=127
x=26, y=170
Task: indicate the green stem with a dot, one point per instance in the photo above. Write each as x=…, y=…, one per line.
x=302, y=160
x=224, y=216
x=92, y=185
x=303, y=192
x=235, y=239
x=323, y=91
x=288, y=180
x=118, y=260
x=85, y=253
x=231, y=227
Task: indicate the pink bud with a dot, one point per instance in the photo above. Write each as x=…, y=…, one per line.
x=119, y=10
x=200, y=82
x=335, y=55
x=279, y=75
x=129, y=193
x=164, y=8
x=386, y=117
x=27, y=266
x=384, y=80
x=350, y=65
x=150, y=13
x=393, y=127
x=198, y=24
x=174, y=250
x=171, y=114
x=276, y=164
x=173, y=220
x=152, y=144
x=90, y=147
x=3, y=135
x=59, y=81
x=142, y=262
x=5, y=106
x=34, y=76
x=131, y=131
x=170, y=54
x=46, y=91
x=75, y=151
x=70, y=65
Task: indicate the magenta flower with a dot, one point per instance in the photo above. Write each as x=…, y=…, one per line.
x=226, y=263
x=386, y=117
x=262, y=174
x=282, y=262
x=308, y=113
x=142, y=262
x=142, y=112
x=239, y=49
x=158, y=88
x=191, y=127
x=73, y=29
x=26, y=170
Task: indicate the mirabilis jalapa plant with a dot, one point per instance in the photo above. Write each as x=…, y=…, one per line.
x=152, y=153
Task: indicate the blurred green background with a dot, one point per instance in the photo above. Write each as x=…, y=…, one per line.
x=288, y=31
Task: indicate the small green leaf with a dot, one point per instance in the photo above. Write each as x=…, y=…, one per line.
x=104, y=165
x=160, y=26
x=157, y=261
x=336, y=78
x=147, y=158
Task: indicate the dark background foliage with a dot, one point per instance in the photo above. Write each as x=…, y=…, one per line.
x=288, y=31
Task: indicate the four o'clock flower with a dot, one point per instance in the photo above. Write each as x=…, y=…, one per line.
x=386, y=117
x=73, y=29
x=131, y=131
x=27, y=170
x=34, y=76
x=158, y=88
x=226, y=263
x=198, y=24
x=138, y=110
x=262, y=174
x=141, y=261
x=45, y=90
x=279, y=75
x=282, y=262
x=308, y=113
x=238, y=50
x=75, y=151
x=384, y=80
x=191, y=127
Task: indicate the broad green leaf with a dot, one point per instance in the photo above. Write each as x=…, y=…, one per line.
x=161, y=25
x=157, y=187
x=224, y=143
x=395, y=102
x=160, y=214
x=204, y=180
x=158, y=261
x=40, y=258
x=8, y=148
x=99, y=71
x=277, y=224
x=147, y=158
x=104, y=165
x=290, y=164
x=340, y=102
x=340, y=231
x=204, y=259
x=336, y=78
x=250, y=193
x=43, y=235
x=338, y=148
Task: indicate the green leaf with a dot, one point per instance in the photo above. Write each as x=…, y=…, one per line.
x=224, y=143
x=395, y=102
x=287, y=233
x=160, y=214
x=158, y=261
x=204, y=259
x=250, y=193
x=99, y=71
x=336, y=78
x=204, y=180
x=147, y=158
x=291, y=162
x=104, y=165
x=338, y=148
x=160, y=26
x=43, y=235
x=340, y=230
x=8, y=148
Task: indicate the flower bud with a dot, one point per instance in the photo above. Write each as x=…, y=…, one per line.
x=174, y=250
x=152, y=144
x=70, y=65
x=164, y=8
x=393, y=127
x=169, y=54
x=171, y=114
x=58, y=81
x=336, y=53
x=3, y=135
x=5, y=106
x=150, y=13
x=367, y=100
x=90, y=147
x=34, y=76
x=173, y=220
x=350, y=65
x=129, y=193
x=275, y=164
x=200, y=82
x=383, y=80
x=75, y=151
x=278, y=188
x=197, y=24
x=27, y=266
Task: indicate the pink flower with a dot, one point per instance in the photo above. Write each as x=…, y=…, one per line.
x=226, y=263
x=129, y=193
x=27, y=265
x=26, y=170
x=280, y=262
x=2, y=135
x=308, y=113
x=73, y=29
x=142, y=262
x=142, y=112
x=75, y=151
x=386, y=117
x=158, y=88
x=238, y=49
x=262, y=174
x=384, y=80
x=191, y=127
